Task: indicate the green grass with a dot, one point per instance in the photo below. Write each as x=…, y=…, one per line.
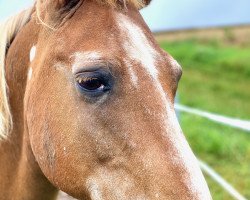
x=216, y=78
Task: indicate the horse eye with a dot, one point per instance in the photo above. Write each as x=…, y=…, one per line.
x=90, y=83
x=93, y=84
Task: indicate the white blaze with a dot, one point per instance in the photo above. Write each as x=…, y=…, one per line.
x=132, y=73
x=137, y=45
x=29, y=73
x=32, y=53
x=139, y=49
x=32, y=56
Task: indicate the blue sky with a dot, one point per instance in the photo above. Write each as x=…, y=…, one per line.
x=10, y=7
x=178, y=14
x=172, y=14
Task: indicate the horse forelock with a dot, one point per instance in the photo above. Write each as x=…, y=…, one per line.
x=8, y=31
x=71, y=4
x=117, y=3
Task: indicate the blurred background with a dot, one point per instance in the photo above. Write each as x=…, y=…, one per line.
x=211, y=40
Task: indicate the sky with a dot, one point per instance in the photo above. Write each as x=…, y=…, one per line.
x=172, y=14
x=183, y=14
x=10, y=7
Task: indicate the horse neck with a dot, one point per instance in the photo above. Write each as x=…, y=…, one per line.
x=19, y=170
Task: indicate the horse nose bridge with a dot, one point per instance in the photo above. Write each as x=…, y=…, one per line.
x=166, y=159
x=159, y=169
x=169, y=166
x=158, y=115
x=155, y=153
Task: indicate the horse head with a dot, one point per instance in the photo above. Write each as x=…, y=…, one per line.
x=99, y=105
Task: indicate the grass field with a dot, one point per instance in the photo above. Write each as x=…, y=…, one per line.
x=216, y=78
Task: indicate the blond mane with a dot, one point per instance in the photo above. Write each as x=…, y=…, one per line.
x=8, y=31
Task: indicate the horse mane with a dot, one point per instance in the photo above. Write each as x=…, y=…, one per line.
x=8, y=31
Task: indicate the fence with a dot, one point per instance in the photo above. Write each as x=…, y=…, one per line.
x=236, y=123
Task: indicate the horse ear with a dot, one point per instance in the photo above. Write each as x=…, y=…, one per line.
x=52, y=12
x=66, y=4
x=56, y=5
x=147, y=2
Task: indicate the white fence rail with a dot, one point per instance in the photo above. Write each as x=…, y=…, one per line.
x=233, y=122
x=221, y=181
x=236, y=123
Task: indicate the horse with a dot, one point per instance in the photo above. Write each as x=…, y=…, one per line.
x=87, y=107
